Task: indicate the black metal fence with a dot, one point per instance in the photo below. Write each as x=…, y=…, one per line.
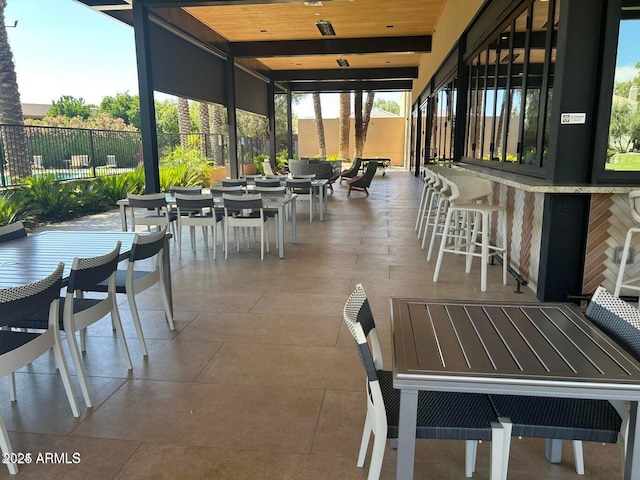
x=81, y=153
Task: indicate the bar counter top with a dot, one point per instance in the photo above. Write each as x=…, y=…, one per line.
x=539, y=185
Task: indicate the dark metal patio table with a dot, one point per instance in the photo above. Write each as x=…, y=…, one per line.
x=501, y=348
x=32, y=258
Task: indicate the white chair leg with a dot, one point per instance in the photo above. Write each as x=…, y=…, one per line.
x=12, y=386
x=471, y=450
x=179, y=239
x=623, y=262
x=77, y=363
x=377, y=456
x=226, y=239
x=120, y=334
x=436, y=226
x=214, y=238
x=503, y=457
x=6, y=446
x=61, y=364
x=485, y=253
x=423, y=198
x=578, y=456
x=443, y=243
x=135, y=317
x=505, y=246
x=266, y=226
x=364, y=443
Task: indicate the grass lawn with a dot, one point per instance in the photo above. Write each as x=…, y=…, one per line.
x=624, y=161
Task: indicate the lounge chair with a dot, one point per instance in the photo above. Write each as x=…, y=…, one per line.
x=362, y=182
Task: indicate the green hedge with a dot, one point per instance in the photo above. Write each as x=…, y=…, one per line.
x=43, y=199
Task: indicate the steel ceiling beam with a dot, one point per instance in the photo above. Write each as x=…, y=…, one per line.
x=403, y=73
x=334, y=46
x=349, y=86
x=210, y=3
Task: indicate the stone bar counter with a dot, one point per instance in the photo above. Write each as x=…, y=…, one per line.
x=609, y=218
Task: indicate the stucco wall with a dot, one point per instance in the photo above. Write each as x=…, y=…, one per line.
x=385, y=138
x=455, y=17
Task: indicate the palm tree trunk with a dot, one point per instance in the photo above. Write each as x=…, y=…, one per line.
x=344, y=125
x=14, y=138
x=184, y=122
x=357, y=106
x=205, y=128
x=366, y=116
x=317, y=109
x=218, y=154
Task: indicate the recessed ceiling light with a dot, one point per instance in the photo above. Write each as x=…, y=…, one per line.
x=325, y=27
x=312, y=4
x=343, y=62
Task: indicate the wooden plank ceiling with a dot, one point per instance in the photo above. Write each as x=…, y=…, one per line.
x=381, y=41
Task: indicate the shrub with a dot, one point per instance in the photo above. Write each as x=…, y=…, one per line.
x=91, y=197
x=258, y=160
x=12, y=208
x=115, y=187
x=185, y=165
x=49, y=199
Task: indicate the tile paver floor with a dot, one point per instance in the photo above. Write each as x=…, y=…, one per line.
x=260, y=380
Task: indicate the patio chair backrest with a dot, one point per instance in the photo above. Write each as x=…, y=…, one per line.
x=217, y=191
x=274, y=190
x=88, y=272
x=246, y=202
x=617, y=318
x=193, y=202
x=355, y=168
x=185, y=190
x=151, y=200
x=30, y=300
x=12, y=231
x=234, y=182
x=357, y=310
x=146, y=246
x=267, y=183
x=266, y=168
x=299, y=185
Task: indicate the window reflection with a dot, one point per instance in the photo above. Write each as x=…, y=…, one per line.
x=623, y=153
x=510, y=80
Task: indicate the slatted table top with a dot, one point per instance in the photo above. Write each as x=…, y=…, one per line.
x=534, y=349
x=34, y=257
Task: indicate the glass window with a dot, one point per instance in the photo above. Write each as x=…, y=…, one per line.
x=510, y=101
x=502, y=66
x=472, y=116
x=552, y=65
x=623, y=153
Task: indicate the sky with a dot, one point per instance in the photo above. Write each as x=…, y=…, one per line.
x=628, y=50
x=62, y=47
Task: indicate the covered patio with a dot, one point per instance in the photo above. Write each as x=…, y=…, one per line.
x=261, y=378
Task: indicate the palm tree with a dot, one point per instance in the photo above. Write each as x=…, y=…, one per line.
x=218, y=156
x=362, y=117
x=317, y=109
x=344, y=125
x=184, y=121
x=205, y=128
x=366, y=115
x=357, y=106
x=14, y=138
